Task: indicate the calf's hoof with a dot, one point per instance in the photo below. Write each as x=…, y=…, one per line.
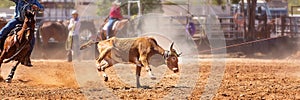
x=105, y=79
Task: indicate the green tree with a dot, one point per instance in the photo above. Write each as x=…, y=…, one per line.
x=6, y=3
x=293, y=3
x=103, y=7
x=147, y=6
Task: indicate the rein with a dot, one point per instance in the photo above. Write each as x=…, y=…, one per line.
x=19, y=50
x=13, y=56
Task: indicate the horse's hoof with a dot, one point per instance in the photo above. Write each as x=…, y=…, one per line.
x=105, y=79
x=8, y=80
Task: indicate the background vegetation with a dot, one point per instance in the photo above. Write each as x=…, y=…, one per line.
x=6, y=4
x=147, y=6
x=150, y=5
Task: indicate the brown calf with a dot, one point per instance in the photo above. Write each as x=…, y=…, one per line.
x=134, y=50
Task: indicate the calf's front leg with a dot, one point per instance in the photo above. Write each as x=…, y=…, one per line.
x=138, y=74
x=145, y=63
x=138, y=71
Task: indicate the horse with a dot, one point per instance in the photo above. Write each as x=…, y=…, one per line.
x=118, y=25
x=57, y=30
x=17, y=45
x=264, y=31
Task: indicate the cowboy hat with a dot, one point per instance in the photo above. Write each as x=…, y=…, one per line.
x=116, y=2
x=74, y=12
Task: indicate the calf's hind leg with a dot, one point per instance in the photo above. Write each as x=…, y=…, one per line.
x=102, y=64
x=101, y=67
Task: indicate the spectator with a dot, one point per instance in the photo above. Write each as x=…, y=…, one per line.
x=72, y=44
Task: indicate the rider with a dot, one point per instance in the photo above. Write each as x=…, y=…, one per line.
x=114, y=15
x=18, y=19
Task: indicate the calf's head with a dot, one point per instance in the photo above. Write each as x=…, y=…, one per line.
x=172, y=59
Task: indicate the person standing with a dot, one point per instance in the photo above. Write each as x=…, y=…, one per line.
x=114, y=15
x=19, y=17
x=72, y=43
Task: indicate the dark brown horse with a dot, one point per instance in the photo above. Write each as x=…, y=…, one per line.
x=17, y=45
x=265, y=30
x=56, y=30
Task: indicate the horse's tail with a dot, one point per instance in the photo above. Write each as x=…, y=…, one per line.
x=88, y=44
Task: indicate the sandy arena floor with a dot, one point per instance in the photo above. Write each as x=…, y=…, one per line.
x=243, y=79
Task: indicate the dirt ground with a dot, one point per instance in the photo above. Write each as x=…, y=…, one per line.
x=243, y=79
x=52, y=77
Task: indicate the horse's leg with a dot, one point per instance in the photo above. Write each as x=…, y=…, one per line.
x=1, y=78
x=12, y=73
x=1, y=61
x=45, y=45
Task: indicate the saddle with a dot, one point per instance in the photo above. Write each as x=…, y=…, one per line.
x=105, y=27
x=15, y=30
